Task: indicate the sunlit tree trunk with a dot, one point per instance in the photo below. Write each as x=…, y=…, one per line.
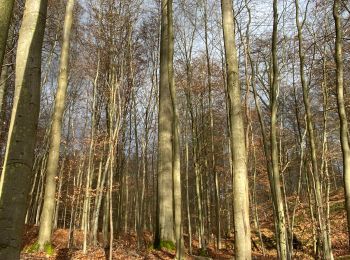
x=46, y=220
x=344, y=131
x=239, y=157
x=176, y=167
x=17, y=172
x=278, y=199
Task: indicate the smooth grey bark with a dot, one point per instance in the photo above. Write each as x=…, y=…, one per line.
x=165, y=222
x=176, y=167
x=238, y=149
x=17, y=172
x=46, y=220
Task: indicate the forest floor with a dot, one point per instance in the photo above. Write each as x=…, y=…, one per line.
x=125, y=247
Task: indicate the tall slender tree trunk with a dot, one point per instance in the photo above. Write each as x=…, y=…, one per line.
x=344, y=131
x=98, y=201
x=239, y=160
x=46, y=220
x=176, y=167
x=165, y=228
x=211, y=119
x=195, y=148
x=17, y=172
x=189, y=227
x=278, y=199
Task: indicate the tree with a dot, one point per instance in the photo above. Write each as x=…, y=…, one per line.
x=327, y=253
x=344, y=131
x=176, y=167
x=278, y=200
x=165, y=222
x=211, y=119
x=17, y=172
x=46, y=221
x=238, y=149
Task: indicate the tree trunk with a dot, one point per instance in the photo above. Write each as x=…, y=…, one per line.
x=239, y=160
x=278, y=200
x=164, y=230
x=327, y=253
x=176, y=167
x=46, y=220
x=344, y=131
x=189, y=227
x=17, y=172
x=211, y=117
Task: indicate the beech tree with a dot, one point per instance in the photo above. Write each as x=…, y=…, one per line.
x=238, y=152
x=276, y=179
x=165, y=221
x=206, y=128
x=344, y=131
x=46, y=220
x=17, y=171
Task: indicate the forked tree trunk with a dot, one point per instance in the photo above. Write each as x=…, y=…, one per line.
x=17, y=172
x=325, y=247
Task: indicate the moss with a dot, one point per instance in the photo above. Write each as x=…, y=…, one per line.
x=33, y=248
x=49, y=249
x=203, y=252
x=167, y=245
